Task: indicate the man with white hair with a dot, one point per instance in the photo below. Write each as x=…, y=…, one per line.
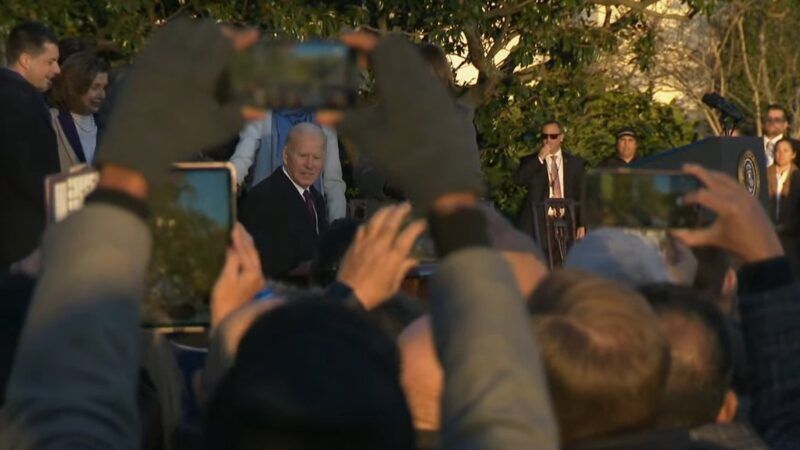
x=285, y=213
x=260, y=148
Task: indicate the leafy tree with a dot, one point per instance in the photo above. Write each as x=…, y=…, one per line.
x=591, y=112
x=744, y=49
x=534, y=58
x=188, y=253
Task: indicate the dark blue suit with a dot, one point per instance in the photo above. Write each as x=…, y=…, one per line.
x=28, y=152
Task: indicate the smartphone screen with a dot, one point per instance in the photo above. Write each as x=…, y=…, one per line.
x=648, y=199
x=191, y=219
x=277, y=74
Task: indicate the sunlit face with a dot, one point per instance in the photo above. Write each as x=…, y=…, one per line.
x=552, y=135
x=626, y=147
x=92, y=99
x=775, y=123
x=303, y=159
x=784, y=154
x=39, y=70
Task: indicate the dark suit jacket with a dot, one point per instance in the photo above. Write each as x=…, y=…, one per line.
x=276, y=215
x=532, y=174
x=28, y=152
x=614, y=161
x=787, y=223
x=789, y=219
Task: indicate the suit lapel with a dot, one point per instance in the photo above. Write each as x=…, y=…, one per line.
x=298, y=205
x=322, y=211
x=787, y=183
x=567, y=179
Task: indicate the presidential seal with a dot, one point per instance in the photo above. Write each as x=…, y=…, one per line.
x=748, y=172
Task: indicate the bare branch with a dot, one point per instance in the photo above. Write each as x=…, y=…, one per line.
x=749, y=74
x=508, y=10
x=642, y=7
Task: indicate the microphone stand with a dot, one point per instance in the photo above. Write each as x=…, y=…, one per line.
x=728, y=124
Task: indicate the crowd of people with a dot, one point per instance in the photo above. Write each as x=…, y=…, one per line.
x=625, y=347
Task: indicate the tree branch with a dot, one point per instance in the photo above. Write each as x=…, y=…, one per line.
x=508, y=10
x=749, y=74
x=642, y=7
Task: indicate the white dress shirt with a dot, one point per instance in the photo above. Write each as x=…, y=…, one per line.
x=301, y=190
x=560, y=164
x=769, y=148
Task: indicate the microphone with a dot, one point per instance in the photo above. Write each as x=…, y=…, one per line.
x=718, y=102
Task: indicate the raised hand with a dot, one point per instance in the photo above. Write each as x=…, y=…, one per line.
x=240, y=278
x=378, y=259
x=741, y=227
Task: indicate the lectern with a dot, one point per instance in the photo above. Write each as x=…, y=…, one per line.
x=740, y=157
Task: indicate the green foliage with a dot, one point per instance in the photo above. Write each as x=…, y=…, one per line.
x=552, y=47
x=508, y=127
x=188, y=253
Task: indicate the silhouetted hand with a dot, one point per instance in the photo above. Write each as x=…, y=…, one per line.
x=169, y=107
x=415, y=134
x=741, y=227
x=240, y=278
x=378, y=259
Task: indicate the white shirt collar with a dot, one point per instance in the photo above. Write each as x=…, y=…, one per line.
x=300, y=189
x=775, y=139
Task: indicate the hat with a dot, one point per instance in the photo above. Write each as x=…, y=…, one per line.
x=619, y=255
x=627, y=131
x=312, y=372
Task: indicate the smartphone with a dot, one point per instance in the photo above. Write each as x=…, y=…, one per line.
x=281, y=74
x=639, y=198
x=191, y=219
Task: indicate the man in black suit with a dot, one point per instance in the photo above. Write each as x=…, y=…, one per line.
x=550, y=174
x=285, y=213
x=28, y=149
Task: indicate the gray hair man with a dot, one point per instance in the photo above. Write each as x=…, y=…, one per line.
x=286, y=213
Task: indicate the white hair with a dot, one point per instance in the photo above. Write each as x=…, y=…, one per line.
x=305, y=128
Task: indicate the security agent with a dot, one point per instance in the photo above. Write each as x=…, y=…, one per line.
x=626, y=149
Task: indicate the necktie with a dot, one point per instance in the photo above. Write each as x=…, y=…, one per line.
x=555, y=180
x=770, y=153
x=312, y=211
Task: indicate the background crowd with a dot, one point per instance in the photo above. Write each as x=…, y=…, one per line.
x=624, y=347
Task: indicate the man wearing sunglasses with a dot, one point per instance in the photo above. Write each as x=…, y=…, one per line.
x=776, y=125
x=550, y=174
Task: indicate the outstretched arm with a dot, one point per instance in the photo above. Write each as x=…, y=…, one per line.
x=74, y=379
x=495, y=392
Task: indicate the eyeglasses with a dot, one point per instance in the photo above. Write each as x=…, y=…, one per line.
x=775, y=120
x=550, y=136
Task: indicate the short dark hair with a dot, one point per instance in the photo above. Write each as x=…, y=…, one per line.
x=28, y=37
x=76, y=77
x=788, y=141
x=311, y=374
x=436, y=59
x=70, y=45
x=697, y=383
x=604, y=353
x=781, y=108
x=553, y=122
